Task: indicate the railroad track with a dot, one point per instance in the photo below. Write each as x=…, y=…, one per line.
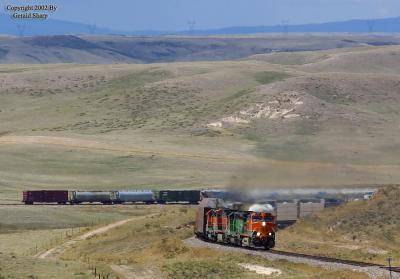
x=394, y=269
x=333, y=260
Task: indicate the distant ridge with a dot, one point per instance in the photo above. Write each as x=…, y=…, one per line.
x=48, y=27
x=12, y=27
x=106, y=49
x=387, y=25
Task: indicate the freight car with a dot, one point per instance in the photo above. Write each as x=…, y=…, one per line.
x=103, y=197
x=45, y=196
x=216, y=194
x=111, y=197
x=310, y=207
x=146, y=196
x=242, y=228
x=173, y=196
x=287, y=212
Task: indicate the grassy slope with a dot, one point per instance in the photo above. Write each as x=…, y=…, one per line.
x=362, y=230
x=153, y=244
x=27, y=267
x=131, y=126
x=156, y=244
x=24, y=231
x=146, y=124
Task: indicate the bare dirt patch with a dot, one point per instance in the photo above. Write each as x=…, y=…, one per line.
x=262, y=269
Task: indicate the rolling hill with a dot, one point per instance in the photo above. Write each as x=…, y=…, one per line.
x=323, y=119
x=120, y=49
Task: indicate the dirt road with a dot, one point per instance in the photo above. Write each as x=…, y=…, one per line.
x=55, y=252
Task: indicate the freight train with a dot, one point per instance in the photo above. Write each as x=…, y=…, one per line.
x=111, y=197
x=286, y=212
x=216, y=223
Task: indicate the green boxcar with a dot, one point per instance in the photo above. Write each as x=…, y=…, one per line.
x=190, y=196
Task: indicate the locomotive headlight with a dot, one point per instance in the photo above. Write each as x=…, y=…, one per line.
x=258, y=234
x=264, y=224
x=270, y=233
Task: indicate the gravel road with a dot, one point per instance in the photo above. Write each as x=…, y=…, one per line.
x=373, y=272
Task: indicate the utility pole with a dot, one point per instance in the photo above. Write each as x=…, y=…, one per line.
x=92, y=28
x=285, y=26
x=390, y=266
x=21, y=29
x=370, y=25
x=191, y=25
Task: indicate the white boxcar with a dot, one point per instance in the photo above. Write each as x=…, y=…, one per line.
x=286, y=211
x=307, y=208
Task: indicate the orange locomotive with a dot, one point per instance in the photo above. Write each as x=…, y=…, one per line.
x=242, y=228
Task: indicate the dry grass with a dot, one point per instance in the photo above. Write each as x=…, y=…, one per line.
x=27, y=267
x=144, y=126
x=362, y=230
x=155, y=117
x=156, y=243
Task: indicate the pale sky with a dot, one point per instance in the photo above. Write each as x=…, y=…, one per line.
x=173, y=15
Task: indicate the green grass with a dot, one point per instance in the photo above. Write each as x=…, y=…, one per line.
x=22, y=218
x=156, y=243
x=269, y=77
x=165, y=108
x=227, y=266
x=222, y=268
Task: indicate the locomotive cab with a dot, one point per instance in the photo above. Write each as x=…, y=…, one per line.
x=262, y=228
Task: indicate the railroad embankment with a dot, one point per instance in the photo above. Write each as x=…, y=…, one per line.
x=359, y=230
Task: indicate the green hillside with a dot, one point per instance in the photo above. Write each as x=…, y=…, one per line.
x=325, y=118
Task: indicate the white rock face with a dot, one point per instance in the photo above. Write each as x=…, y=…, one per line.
x=281, y=108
